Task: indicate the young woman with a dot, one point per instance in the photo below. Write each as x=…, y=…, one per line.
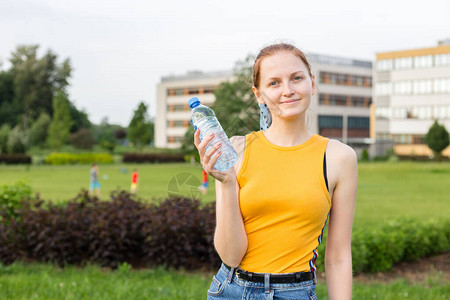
x=273, y=205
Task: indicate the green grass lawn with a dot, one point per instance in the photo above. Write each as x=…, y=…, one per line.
x=42, y=281
x=385, y=191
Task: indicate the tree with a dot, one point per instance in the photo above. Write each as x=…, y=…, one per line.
x=82, y=139
x=39, y=130
x=37, y=80
x=18, y=140
x=79, y=118
x=4, y=133
x=140, y=128
x=235, y=106
x=61, y=122
x=8, y=112
x=437, y=138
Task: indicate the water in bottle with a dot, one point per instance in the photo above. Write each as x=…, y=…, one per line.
x=203, y=118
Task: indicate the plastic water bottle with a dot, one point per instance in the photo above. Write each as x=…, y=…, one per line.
x=203, y=117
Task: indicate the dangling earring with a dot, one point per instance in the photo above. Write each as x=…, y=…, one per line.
x=265, y=119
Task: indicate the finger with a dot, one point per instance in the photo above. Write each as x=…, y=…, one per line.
x=197, y=137
x=207, y=155
x=202, y=146
x=214, y=159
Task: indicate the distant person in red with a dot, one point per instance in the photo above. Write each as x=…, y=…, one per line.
x=134, y=181
x=204, y=182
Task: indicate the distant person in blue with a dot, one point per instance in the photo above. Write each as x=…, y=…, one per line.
x=95, y=185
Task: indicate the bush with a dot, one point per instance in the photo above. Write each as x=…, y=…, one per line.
x=17, y=158
x=82, y=158
x=176, y=233
x=152, y=157
x=365, y=155
x=82, y=139
x=39, y=130
x=17, y=140
x=11, y=197
x=4, y=133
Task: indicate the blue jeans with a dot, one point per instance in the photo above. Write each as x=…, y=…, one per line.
x=225, y=285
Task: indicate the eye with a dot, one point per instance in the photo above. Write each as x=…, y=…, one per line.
x=273, y=83
x=296, y=78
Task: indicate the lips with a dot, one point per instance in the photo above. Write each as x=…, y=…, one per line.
x=290, y=101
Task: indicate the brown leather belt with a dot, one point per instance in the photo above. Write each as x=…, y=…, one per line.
x=274, y=278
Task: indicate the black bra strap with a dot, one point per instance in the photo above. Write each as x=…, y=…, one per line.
x=325, y=170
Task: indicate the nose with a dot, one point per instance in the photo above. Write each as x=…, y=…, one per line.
x=287, y=90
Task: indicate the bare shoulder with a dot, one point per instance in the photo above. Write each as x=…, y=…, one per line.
x=238, y=142
x=339, y=152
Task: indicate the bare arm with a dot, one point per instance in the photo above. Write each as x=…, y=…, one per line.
x=230, y=238
x=338, y=257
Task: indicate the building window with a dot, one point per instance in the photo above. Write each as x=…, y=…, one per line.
x=383, y=112
x=173, y=124
x=384, y=65
x=403, y=87
x=337, y=100
x=177, y=107
x=208, y=90
x=174, y=139
x=330, y=121
x=442, y=59
x=322, y=99
x=359, y=122
x=403, y=63
x=356, y=80
x=193, y=91
x=423, y=61
x=418, y=139
x=330, y=126
x=383, y=88
x=358, y=101
x=345, y=79
x=442, y=85
x=422, y=86
x=442, y=112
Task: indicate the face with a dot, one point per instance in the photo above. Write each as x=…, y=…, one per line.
x=285, y=85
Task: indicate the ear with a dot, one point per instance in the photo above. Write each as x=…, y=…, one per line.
x=257, y=95
x=313, y=82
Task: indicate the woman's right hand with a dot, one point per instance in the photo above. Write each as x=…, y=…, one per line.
x=208, y=159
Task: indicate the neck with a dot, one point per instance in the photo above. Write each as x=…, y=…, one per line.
x=287, y=133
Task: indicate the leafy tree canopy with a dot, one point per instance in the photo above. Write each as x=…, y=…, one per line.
x=437, y=138
x=235, y=106
x=140, y=130
x=61, y=122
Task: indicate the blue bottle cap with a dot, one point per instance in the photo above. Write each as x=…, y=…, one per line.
x=194, y=102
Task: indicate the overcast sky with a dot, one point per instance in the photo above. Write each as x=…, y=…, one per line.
x=119, y=50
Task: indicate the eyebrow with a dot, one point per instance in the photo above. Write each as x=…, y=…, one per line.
x=294, y=73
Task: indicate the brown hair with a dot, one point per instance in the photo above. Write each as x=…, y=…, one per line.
x=271, y=50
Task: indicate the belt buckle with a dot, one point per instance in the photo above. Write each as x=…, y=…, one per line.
x=237, y=274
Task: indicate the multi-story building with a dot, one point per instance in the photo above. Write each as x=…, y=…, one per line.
x=411, y=90
x=172, y=110
x=340, y=109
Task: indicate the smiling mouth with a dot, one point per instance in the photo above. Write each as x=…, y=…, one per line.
x=290, y=101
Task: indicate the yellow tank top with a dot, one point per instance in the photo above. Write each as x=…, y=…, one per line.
x=284, y=203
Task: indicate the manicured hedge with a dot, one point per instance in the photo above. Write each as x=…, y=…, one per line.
x=176, y=233
x=402, y=240
x=152, y=157
x=16, y=158
x=78, y=158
